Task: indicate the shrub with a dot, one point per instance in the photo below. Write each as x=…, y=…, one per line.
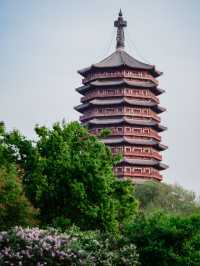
x=164, y=239
x=105, y=249
x=15, y=209
x=35, y=247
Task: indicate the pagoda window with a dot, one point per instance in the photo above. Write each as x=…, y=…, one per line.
x=132, y=169
x=120, y=129
x=138, y=170
x=110, y=109
x=120, y=169
x=137, y=130
x=147, y=170
x=138, y=150
x=128, y=169
x=128, y=149
x=136, y=110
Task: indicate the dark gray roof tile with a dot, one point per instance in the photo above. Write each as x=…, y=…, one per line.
x=112, y=121
x=146, y=142
x=110, y=83
x=121, y=58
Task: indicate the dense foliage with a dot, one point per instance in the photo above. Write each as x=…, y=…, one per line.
x=68, y=175
x=170, y=198
x=164, y=239
x=15, y=208
x=32, y=247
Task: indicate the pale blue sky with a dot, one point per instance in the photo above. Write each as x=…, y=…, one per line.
x=43, y=44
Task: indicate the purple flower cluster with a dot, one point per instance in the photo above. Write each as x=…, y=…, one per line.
x=38, y=247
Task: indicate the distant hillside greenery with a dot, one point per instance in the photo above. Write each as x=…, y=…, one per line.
x=172, y=199
x=70, y=209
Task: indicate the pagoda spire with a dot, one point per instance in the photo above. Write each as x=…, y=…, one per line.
x=120, y=23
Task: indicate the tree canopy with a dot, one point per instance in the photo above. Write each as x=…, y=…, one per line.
x=165, y=239
x=15, y=208
x=68, y=175
x=170, y=198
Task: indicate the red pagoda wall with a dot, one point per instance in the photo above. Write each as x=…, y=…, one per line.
x=106, y=106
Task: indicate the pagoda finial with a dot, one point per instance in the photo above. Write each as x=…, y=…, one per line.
x=120, y=23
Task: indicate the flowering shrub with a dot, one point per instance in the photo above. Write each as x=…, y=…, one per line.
x=38, y=247
x=105, y=249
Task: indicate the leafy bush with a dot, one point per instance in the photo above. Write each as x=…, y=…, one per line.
x=48, y=247
x=164, y=239
x=68, y=175
x=105, y=249
x=15, y=209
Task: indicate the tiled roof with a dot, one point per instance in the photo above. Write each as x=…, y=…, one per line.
x=146, y=142
x=121, y=58
x=110, y=83
x=150, y=162
x=112, y=121
x=120, y=100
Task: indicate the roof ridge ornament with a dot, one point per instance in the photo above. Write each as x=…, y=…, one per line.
x=120, y=23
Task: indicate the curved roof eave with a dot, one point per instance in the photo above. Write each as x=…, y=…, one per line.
x=150, y=162
x=99, y=102
x=138, y=122
x=120, y=58
x=110, y=141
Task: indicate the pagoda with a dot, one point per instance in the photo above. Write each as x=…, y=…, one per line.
x=121, y=93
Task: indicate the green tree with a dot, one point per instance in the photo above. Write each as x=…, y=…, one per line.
x=165, y=239
x=170, y=198
x=68, y=175
x=15, y=209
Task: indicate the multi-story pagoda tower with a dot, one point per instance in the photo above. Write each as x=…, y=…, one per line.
x=121, y=93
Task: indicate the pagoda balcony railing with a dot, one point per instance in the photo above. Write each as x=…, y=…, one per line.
x=120, y=74
x=137, y=172
x=139, y=94
x=134, y=115
x=151, y=154
x=130, y=131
